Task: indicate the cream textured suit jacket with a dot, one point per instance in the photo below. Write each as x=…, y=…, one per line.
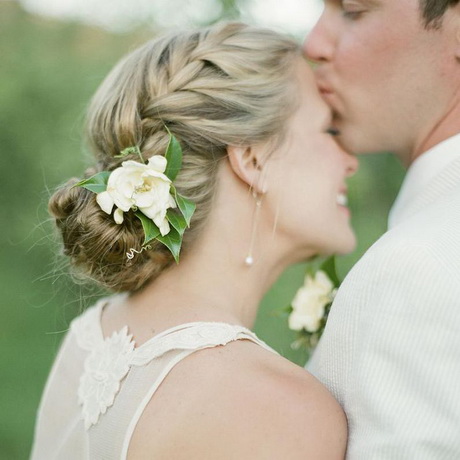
x=391, y=349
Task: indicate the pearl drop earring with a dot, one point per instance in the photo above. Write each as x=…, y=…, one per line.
x=249, y=260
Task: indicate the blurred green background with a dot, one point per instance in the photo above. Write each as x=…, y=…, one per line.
x=48, y=71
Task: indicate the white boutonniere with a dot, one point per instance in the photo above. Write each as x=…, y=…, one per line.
x=311, y=304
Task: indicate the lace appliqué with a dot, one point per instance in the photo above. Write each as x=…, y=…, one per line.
x=110, y=359
x=105, y=367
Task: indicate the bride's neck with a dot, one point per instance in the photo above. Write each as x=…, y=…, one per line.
x=211, y=284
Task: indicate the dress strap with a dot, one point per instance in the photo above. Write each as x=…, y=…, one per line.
x=193, y=336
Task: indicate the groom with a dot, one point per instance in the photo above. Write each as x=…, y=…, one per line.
x=390, y=70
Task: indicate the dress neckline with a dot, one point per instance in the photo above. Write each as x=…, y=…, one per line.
x=99, y=308
x=110, y=358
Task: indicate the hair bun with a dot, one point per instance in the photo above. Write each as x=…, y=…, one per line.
x=62, y=203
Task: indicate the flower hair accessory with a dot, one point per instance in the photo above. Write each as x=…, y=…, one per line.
x=310, y=307
x=146, y=189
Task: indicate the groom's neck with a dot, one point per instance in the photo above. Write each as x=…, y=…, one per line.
x=446, y=127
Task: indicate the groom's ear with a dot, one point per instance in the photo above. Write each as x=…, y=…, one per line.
x=247, y=163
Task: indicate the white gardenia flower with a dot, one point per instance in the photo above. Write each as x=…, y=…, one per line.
x=310, y=302
x=142, y=186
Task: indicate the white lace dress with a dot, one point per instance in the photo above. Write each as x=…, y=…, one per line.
x=98, y=388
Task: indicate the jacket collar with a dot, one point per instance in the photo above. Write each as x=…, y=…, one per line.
x=432, y=175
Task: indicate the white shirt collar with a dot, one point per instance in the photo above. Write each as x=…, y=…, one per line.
x=426, y=167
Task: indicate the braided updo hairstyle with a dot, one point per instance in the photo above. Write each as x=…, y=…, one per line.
x=230, y=84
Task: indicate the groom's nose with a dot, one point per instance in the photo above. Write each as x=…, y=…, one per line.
x=319, y=43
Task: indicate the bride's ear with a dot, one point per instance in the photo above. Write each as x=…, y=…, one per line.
x=246, y=162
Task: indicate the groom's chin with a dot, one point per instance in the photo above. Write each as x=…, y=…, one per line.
x=357, y=140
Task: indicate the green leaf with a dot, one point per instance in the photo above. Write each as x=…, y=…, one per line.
x=314, y=264
x=96, y=183
x=151, y=231
x=177, y=221
x=173, y=156
x=173, y=242
x=329, y=267
x=186, y=207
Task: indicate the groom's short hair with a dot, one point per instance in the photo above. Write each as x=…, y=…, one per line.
x=433, y=11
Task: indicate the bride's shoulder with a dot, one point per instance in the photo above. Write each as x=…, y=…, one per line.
x=256, y=402
x=288, y=408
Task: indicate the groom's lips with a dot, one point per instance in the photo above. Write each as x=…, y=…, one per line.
x=322, y=82
x=329, y=96
x=325, y=90
x=327, y=93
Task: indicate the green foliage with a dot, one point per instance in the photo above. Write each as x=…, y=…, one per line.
x=173, y=241
x=177, y=221
x=187, y=207
x=96, y=183
x=151, y=231
x=174, y=157
x=329, y=267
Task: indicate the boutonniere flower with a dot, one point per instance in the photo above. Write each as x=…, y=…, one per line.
x=146, y=189
x=311, y=304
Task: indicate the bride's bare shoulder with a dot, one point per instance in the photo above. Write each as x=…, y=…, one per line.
x=246, y=399
x=288, y=409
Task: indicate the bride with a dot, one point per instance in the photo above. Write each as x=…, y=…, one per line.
x=226, y=124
